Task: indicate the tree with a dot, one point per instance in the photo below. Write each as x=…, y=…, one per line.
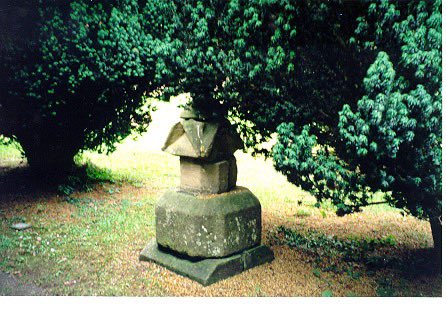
x=353, y=90
x=390, y=139
x=268, y=62
x=75, y=75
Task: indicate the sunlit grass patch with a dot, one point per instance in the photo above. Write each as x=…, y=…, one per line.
x=10, y=155
x=138, y=168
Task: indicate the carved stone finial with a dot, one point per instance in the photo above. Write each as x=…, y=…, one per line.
x=206, y=149
x=194, y=137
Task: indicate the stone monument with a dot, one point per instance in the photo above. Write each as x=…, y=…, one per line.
x=208, y=229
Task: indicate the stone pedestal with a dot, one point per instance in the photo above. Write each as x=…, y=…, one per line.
x=210, y=270
x=208, y=229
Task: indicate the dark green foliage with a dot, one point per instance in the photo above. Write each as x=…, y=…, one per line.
x=81, y=78
x=267, y=62
x=389, y=139
x=353, y=88
x=291, y=67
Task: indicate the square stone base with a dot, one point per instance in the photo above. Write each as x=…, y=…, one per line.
x=207, y=271
x=198, y=176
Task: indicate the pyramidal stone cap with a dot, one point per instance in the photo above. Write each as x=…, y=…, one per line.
x=207, y=140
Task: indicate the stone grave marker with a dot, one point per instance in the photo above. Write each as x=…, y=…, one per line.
x=208, y=229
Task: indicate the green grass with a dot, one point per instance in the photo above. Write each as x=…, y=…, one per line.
x=138, y=168
x=98, y=232
x=10, y=155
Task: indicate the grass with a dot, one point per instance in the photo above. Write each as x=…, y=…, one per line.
x=87, y=234
x=336, y=254
x=84, y=247
x=10, y=156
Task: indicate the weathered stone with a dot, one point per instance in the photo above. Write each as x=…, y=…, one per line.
x=208, y=225
x=177, y=143
x=227, y=141
x=257, y=256
x=209, y=141
x=202, y=177
x=205, y=178
x=209, y=229
x=229, y=138
x=207, y=271
x=174, y=134
x=20, y=226
x=201, y=135
x=232, y=173
x=191, y=138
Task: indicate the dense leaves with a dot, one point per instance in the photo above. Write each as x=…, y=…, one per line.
x=353, y=88
x=80, y=80
x=266, y=62
x=390, y=139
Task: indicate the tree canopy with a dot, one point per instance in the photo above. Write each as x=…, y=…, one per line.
x=353, y=90
x=79, y=77
x=390, y=139
x=267, y=62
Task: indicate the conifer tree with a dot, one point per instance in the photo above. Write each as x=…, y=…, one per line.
x=390, y=139
x=353, y=90
x=75, y=74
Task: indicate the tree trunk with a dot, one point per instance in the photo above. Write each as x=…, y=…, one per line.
x=435, y=222
x=50, y=164
x=47, y=157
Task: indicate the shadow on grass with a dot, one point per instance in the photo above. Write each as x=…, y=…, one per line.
x=418, y=262
x=21, y=183
x=369, y=255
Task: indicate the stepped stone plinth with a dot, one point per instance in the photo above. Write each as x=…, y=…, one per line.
x=208, y=229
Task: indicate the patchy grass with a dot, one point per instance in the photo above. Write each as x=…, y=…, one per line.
x=87, y=233
x=80, y=250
